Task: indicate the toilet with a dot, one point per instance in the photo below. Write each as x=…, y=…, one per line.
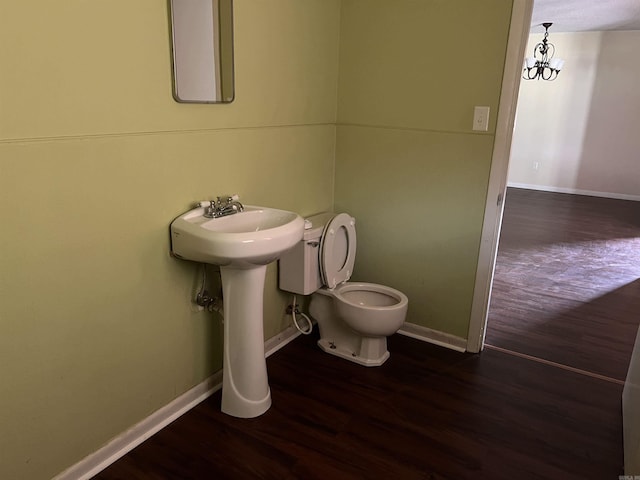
x=354, y=318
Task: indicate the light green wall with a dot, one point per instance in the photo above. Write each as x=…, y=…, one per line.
x=408, y=165
x=418, y=198
x=96, y=159
x=96, y=326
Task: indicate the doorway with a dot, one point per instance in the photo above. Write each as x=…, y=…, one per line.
x=498, y=180
x=566, y=288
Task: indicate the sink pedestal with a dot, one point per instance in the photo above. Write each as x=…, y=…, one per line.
x=245, y=386
x=242, y=245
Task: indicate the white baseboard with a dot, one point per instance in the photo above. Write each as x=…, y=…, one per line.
x=436, y=337
x=130, y=439
x=575, y=191
x=274, y=344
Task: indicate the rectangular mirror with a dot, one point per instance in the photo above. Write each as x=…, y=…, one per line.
x=202, y=50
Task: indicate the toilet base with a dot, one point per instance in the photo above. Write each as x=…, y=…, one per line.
x=372, y=352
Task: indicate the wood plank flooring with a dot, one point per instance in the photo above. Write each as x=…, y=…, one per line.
x=428, y=413
x=567, y=280
x=433, y=414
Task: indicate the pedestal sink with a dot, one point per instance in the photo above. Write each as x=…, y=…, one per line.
x=242, y=245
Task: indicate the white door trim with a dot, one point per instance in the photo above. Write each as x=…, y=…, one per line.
x=516, y=45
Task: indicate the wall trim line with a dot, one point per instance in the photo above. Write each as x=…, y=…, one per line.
x=436, y=337
x=575, y=191
x=122, y=444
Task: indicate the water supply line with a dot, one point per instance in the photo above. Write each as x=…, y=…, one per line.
x=294, y=310
x=204, y=299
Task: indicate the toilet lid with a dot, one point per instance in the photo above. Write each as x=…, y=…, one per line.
x=338, y=250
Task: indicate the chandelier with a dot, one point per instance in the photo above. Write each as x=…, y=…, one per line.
x=542, y=65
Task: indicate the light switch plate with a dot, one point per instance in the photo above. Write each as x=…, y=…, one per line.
x=481, y=118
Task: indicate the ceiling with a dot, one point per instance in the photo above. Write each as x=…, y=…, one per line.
x=586, y=15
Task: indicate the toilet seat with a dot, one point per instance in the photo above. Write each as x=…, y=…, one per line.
x=338, y=250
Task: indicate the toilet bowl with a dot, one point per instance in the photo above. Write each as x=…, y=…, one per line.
x=371, y=309
x=354, y=318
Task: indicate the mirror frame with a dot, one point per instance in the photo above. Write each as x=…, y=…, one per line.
x=202, y=59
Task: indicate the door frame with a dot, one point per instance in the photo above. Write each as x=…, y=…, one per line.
x=494, y=206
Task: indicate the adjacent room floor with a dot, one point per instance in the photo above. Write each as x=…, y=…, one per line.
x=567, y=280
x=542, y=402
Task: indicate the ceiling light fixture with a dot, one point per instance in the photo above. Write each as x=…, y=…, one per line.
x=542, y=65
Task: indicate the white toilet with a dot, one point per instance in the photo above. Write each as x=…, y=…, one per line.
x=354, y=318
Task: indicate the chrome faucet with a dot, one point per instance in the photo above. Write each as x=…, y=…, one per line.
x=222, y=206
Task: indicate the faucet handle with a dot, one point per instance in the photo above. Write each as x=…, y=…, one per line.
x=219, y=201
x=229, y=198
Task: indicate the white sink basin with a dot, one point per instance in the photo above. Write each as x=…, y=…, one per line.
x=256, y=236
x=242, y=244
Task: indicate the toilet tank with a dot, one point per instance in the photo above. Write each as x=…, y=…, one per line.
x=299, y=268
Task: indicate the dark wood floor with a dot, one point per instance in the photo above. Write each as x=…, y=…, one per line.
x=432, y=413
x=566, y=286
x=428, y=413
